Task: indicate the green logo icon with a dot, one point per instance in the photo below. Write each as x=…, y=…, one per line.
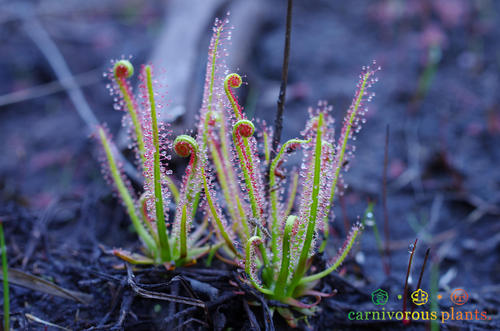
x=380, y=297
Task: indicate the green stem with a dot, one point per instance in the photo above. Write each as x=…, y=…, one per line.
x=125, y=194
x=173, y=188
x=346, y=138
x=160, y=216
x=274, y=196
x=267, y=148
x=311, y=224
x=212, y=73
x=326, y=233
x=213, y=211
x=285, y=259
x=336, y=264
x=211, y=86
x=246, y=165
x=293, y=193
x=149, y=226
x=5, y=275
x=195, y=204
x=224, y=183
x=234, y=81
x=185, y=146
x=248, y=260
x=183, y=234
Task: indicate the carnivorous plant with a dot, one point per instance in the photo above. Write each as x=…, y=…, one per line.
x=257, y=226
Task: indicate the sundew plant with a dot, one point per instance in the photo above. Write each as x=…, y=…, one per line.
x=268, y=222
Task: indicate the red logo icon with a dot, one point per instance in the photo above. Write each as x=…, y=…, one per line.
x=459, y=297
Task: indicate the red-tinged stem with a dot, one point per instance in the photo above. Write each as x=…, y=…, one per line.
x=405, y=292
x=122, y=70
x=245, y=165
x=233, y=81
x=421, y=274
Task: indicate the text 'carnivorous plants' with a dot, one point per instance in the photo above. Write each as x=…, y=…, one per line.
x=271, y=231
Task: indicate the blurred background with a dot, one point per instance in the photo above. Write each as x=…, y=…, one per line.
x=438, y=91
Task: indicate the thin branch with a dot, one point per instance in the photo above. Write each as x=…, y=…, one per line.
x=405, y=292
x=421, y=273
x=423, y=268
x=84, y=79
x=158, y=295
x=278, y=123
x=56, y=60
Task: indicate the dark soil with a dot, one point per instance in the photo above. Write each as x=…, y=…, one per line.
x=443, y=183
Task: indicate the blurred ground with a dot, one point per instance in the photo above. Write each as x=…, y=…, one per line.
x=438, y=92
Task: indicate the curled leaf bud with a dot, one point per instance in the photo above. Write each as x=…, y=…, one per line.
x=123, y=69
x=185, y=145
x=233, y=80
x=244, y=128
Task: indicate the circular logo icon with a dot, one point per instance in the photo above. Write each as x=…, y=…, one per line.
x=459, y=297
x=380, y=297
x=420, y=297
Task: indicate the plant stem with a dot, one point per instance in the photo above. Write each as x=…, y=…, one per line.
x=5, y=276
x=248, y=261
x=337, y=263
x=278, y=123
x=340, y=160
x=173, y=188
x=228, y=167
x=245, y=166
x=160, y=216
x=125, y=194
x=183, y=234
x=405, y=291
x=293, y=193
x=213, y=211
x=311, y=224
x=127, y=97
x=212, y=71
x=222, y=175
x=285, y=259
x=274, y=196
x=267, y=155
x=421, y=273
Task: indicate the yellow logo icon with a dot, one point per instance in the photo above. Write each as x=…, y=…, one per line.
x=420, y=297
